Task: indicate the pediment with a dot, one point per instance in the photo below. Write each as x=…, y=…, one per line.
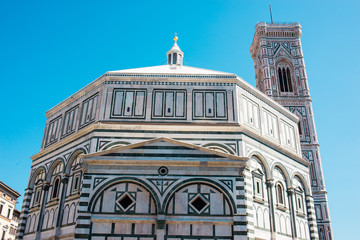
x=281, y=51
x=299, y=190
x=163, y=149
x=258, y=172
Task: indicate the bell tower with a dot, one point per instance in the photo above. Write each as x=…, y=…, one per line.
x=280, y=73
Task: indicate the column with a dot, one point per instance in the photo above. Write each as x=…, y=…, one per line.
x=290, y=192
x=64, y=183
x=269, y=187
x=45, y=189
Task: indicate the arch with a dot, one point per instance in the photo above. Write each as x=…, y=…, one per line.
x=260, y=217
x=28, y=223
x=36, y=222
x=205, y=181
x=46, y=220
x=302, y=181
x=76, y=212
x=283, y=171
x=302, y=229
x=277, y=222
x=288, y=225
x=56, y=212
x=71, y=213
x=256, y=215
x=282, y=224
x=115, y=144
x=219, y=147
x=260, y=157
x=34, y=175
x=306, y=230
x=65, y=215
x=51, y=218
x=266, y=219
x=54, y=164
x=284, y=59
x=32, y=225
x=114, y=181
x=74, y=155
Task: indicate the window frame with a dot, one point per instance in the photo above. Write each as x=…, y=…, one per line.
x=280, y=205
x=9, y=213
x=37, y=196
x=299, y=198
x=73, y=182
x=55, y=191
x=258, y=196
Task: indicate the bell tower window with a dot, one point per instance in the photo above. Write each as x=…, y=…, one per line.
x=284, y=78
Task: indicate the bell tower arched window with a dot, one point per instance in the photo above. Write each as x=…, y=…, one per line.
x=284, y=77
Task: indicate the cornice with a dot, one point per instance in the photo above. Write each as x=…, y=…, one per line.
x=274, y=30
x=209, y=128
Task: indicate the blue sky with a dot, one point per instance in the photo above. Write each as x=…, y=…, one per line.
x=51, y=49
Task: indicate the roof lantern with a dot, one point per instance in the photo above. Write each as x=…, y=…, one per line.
x=175, y=55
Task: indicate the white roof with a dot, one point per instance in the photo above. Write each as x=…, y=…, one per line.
x=167, y=69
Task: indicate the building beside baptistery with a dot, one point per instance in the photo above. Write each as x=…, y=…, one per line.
x=9, y=216
x=169, y=152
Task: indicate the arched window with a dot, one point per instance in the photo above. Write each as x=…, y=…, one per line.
x=55, y=192
x=284, y=78
x=55, y=179
x=280, y=194
x=38, y=188
x=299, y=196
x=76, y=175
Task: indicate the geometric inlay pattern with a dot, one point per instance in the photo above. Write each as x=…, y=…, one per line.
x=199, y=203
x=162, y=184
x=97, y=181
x=125, y=202
x=228, y=183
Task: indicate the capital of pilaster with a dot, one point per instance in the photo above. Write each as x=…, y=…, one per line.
x=290, y=191
x=65, y=178
x=45, y=186
x=270, y=182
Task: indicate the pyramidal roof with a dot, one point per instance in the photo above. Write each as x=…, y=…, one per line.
x=174, y=66
x=169, y=69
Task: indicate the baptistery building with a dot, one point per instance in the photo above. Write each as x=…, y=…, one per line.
x=177, y=152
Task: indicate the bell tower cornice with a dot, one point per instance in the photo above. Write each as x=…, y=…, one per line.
x=274, y=30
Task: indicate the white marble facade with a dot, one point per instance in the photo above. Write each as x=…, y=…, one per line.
x=169, y=152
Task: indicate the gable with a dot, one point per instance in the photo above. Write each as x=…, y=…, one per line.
x=281, y=51
x=162, y=150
